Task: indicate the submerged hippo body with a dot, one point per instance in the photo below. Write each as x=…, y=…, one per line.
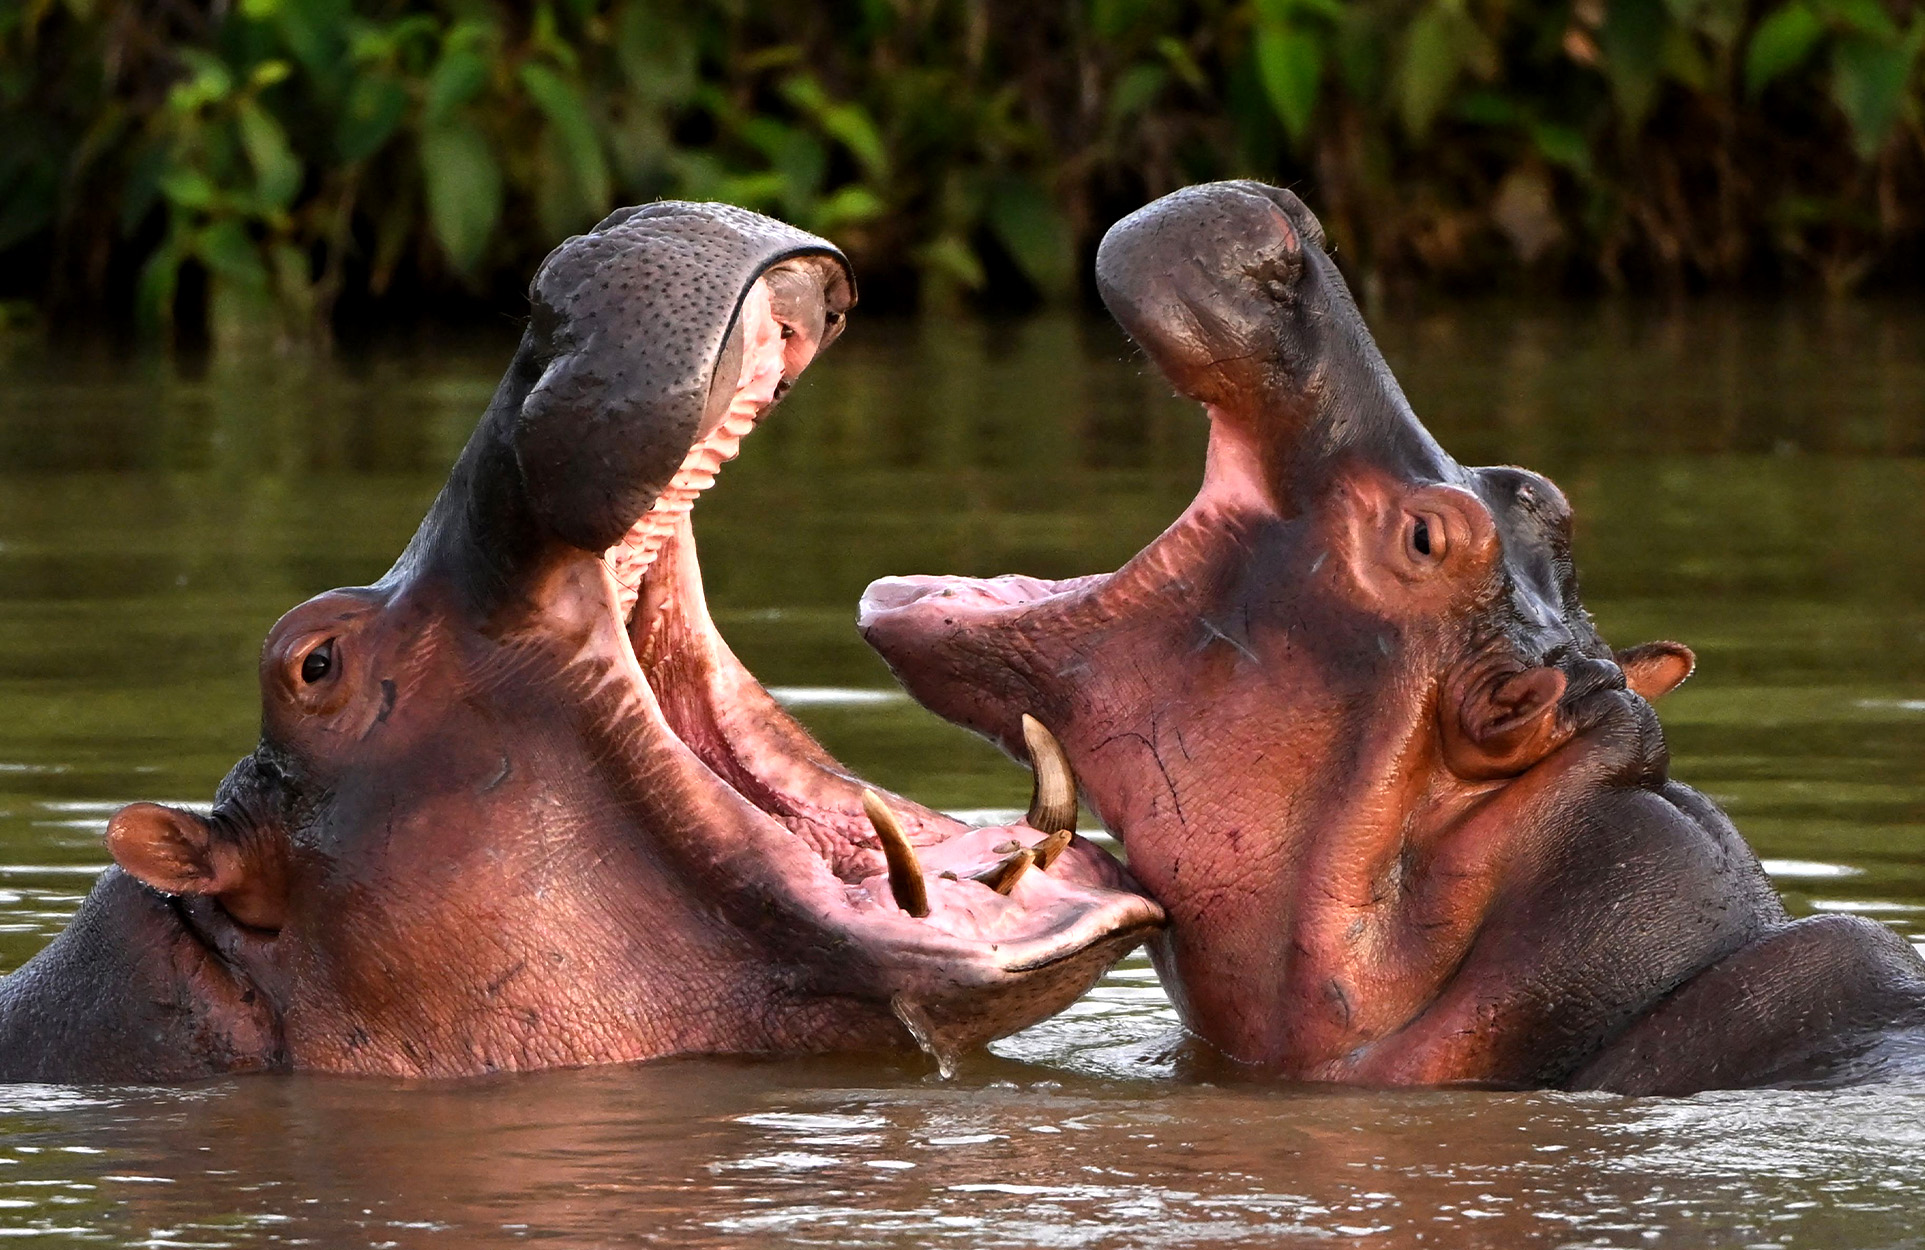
x=1410, y=816
x=518, y=806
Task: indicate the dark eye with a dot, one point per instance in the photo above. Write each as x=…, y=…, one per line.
x=788, y=331
x=319, y=663
x=1420, y=537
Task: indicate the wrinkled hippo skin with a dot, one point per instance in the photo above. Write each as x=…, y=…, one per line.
x=518, y=806
x=1410, y=816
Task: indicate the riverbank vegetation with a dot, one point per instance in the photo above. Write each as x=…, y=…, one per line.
x=334, y=163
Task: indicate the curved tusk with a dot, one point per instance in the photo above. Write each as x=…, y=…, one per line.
x=1004, y=876
x=1052, y=806
x=1049, y=848
x=905, y=871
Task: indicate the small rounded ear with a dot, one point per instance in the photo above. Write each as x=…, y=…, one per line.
x=1654, y=669
x=1504, y=727
x=178, y=852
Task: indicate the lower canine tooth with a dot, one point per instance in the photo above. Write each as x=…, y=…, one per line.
x=1052, y=805
x=1004, y=876
x=1049, y=848
x=905, y=872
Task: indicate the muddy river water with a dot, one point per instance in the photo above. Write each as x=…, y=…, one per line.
x=1750, y=480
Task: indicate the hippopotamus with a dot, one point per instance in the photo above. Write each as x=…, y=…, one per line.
x=1411, y=817
x=517, y=805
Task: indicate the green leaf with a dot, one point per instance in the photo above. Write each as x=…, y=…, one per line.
x=458, y=77
x=1290, y=62
x=159, y=280
x=187, y=188
x=569, y=116
x=267, y=73
x=375, y=106
x=464, y=190
x=1633, y=41
x=848, y=204
x=1034, y=234
x=1136, y=90
x=230, y=255
x=851, y=126
x=277, y=171
x=1432, y=62
x=1868, y=82
x=1867, y=17
x=1780, y=44
x=1562, y=145
x=955, y=260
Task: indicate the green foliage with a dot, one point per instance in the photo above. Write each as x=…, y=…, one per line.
x=294, y=151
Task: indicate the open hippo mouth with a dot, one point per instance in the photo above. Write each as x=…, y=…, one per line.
x=1024, y=897
x=1327, y=709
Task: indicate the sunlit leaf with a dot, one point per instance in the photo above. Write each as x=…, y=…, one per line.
x=464, y=190
x=277, y=171
x=847, y=206
x=1290, y=60
x=569, y=116
x=1780, y=44
x=187, y=188
x=1033, y=232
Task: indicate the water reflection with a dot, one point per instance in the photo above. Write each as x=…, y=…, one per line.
x=1746, y=479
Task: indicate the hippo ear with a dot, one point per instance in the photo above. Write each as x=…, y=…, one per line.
x=1654, y=669
x=1503, y=727
x=178, y=852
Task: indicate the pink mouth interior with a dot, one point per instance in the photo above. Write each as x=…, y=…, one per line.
x=752, y=745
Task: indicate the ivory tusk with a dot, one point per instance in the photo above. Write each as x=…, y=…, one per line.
x=905, y=871
x=1052, y=806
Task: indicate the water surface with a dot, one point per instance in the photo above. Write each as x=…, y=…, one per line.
x=1746, y=479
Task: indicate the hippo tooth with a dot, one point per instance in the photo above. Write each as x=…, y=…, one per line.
x=1049, y=848
x=1004, y=876
x=905, y=873
x=1052, y=807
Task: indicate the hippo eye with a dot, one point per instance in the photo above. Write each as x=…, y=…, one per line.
x=1420, y=537
x=788, y=331
x=319, y=663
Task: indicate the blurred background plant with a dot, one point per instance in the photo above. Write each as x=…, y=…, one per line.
x=318, y=165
